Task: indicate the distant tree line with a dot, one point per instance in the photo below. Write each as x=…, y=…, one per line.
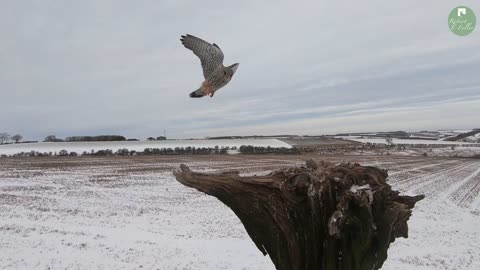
x=17, y=138
x=249, y=149
x=244, y=149
x=159, y=138
x=163, y=151
x=125, y=152
x=101, y=138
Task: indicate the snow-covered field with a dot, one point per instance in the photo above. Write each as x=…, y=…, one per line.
x=130, y=213
x=406, y=141
x=473, y=138
x=80, y=147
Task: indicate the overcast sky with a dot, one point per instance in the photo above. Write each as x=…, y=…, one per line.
x=312, y=67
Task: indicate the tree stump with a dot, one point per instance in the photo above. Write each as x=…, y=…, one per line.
x=320, y=216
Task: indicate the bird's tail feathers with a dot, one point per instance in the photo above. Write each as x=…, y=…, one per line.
x=197, y=93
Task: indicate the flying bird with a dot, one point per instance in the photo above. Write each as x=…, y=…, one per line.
x=211, y=57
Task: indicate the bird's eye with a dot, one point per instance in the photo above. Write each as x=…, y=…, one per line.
x=224, y=72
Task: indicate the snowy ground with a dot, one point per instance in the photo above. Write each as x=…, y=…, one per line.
x=460, y=151
x=80, y=147
x=130, y=213
x=407, y=141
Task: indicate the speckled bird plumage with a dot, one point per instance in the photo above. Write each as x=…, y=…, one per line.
x=211, y=57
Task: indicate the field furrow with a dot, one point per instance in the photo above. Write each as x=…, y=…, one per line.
x=87, y=212
x=465, y=194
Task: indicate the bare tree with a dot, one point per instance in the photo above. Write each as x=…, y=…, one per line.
x=389, y=141
x=4, y=137
x=17, y=138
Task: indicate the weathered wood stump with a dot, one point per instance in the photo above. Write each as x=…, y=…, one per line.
x=321, y=216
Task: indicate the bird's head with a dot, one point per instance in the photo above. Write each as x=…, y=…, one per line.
x=234, y=67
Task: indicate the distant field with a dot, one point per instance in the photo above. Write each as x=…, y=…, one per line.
x=407, y=141
x=130, y=213
x=80, y=147
x=317, y=141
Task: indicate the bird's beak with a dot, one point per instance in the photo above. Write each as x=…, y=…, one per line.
x=234, y=67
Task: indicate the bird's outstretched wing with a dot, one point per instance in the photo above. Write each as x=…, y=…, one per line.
x=211, y=56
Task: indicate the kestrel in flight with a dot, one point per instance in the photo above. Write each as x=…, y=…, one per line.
x=211, y=56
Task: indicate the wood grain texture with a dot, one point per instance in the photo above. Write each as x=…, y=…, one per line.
x=318, y=216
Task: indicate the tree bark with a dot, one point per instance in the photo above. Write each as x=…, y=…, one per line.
x=320, y=216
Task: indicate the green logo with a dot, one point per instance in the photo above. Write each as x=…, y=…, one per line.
x=462, y=21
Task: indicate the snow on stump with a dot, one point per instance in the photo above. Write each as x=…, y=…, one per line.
x=321, y=216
